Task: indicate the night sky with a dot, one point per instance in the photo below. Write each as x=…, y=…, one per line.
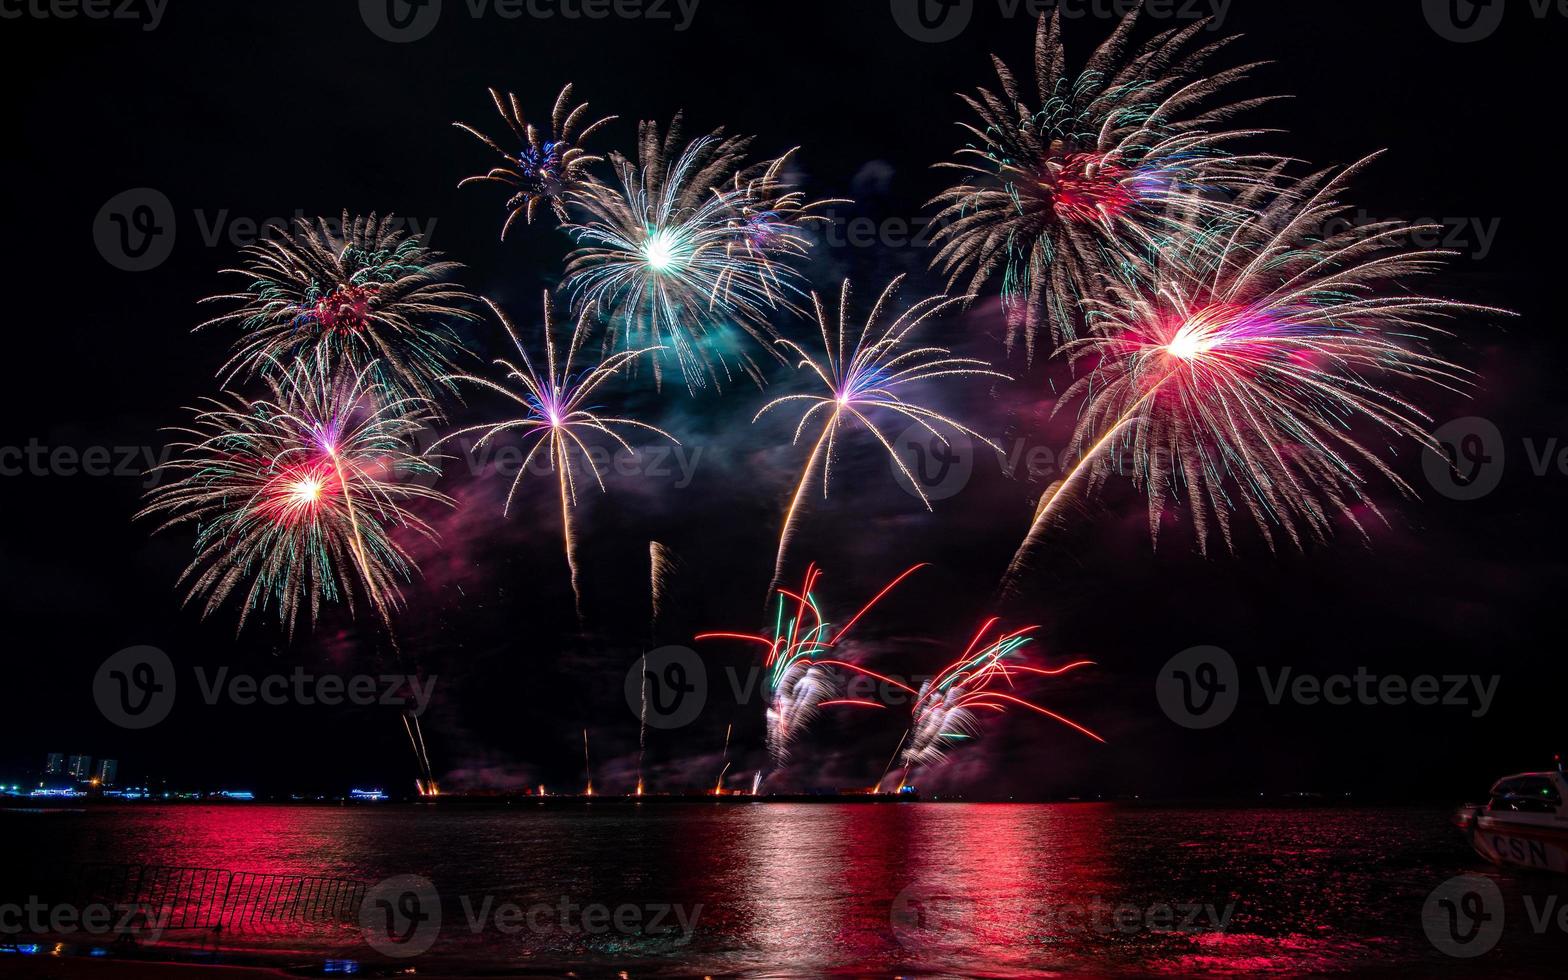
x=241, y=113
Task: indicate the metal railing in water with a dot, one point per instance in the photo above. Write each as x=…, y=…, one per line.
x=214, y=899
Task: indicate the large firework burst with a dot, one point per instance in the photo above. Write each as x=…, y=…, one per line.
x=949, y=706
x=361, y=294
x=1256, y=369
x=542, y=168
x=559, y=411
x=296, y=498
x=802, y=675
x=862, y=372
x=681, y=253
x=1114, y=164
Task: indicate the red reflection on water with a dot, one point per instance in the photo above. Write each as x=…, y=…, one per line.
x=896, y=888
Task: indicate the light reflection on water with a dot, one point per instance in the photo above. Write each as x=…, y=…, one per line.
x=815, y=888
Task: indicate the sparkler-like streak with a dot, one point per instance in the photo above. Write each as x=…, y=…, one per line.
x=862, y=372
x=559, y=412
x=662, y=566
x=542, y=168
x=361, y=295
x=296, y=498
x=1087, y=177
x=1244, y=372
x=948, y=707
x=724, y=757
x=800, y=676
x=682, y=250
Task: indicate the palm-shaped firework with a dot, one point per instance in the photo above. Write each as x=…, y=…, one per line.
x=1245, y=371
x=296, y=498
x=559, y=411
x=1113, y=164
x=862, y=373
x=949, y=707
x=359, y=295
x=682, y=251
x=543, y=168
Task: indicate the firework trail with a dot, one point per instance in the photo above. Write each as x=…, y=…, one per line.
x=724, y=757
x=543, y=169
x=559, y=412
x=642, y=722
x=295, y=498
x=949, y=706
x=1245, y=371
x=1114, y=164
x=799, y=672
x=362, y=295
x=587, y=764
x=662, y=566
x=416, y=738
x=861, y=373
x=681, y=250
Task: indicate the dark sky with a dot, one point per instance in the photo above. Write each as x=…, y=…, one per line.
x=240, y=113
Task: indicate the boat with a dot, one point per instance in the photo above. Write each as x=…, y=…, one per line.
x=1524, y=823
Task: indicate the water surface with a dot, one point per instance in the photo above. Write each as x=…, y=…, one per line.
x=811, y=889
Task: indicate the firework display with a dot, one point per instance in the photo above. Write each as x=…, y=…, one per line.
x=297, y=498
x=559, y=412
x=359, y=294
x=1258, y=366
x=542, y=168
x=801, y=674
x=949, y=707
x=1231, y=341
x=861, y=372
x=1079, y=182
x=683, y=253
